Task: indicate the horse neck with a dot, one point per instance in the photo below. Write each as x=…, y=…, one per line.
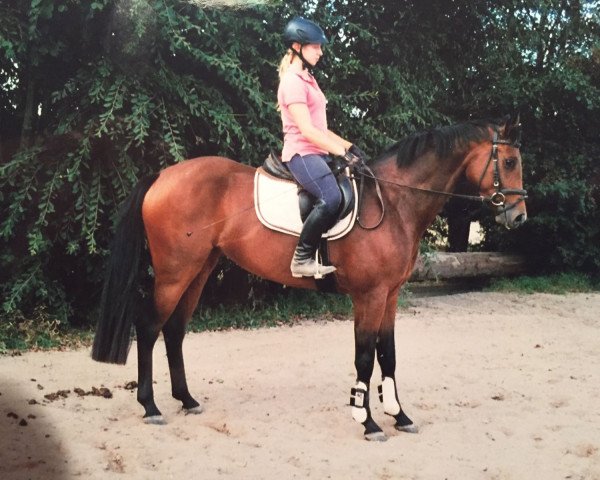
x=415, y=207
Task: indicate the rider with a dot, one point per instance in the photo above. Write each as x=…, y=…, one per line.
x=307, y=141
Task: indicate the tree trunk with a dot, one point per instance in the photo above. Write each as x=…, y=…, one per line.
x=28, y=111
x=443, y=266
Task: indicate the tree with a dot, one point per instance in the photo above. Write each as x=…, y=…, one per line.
x=132, y=86
x=95, y=95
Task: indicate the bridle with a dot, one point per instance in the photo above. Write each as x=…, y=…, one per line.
x=497, y=199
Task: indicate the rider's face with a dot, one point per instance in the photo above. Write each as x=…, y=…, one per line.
x=312, y=52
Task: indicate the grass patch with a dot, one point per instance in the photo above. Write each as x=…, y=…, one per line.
x=42, y=332
x=294, y=306
x=562, y=283
x=286, y=309
x=38, y=332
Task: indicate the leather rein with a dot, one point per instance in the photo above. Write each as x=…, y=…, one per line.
x=497, y=199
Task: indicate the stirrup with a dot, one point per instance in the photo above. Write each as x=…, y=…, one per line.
x=323, y=270
x=316, y=270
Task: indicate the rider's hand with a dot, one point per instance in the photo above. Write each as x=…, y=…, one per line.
x=358, y=152
x=352, y=159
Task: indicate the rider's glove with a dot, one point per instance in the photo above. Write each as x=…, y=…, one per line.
x=358, y=152
x=352, y=159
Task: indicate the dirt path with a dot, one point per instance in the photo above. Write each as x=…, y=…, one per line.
x=502, y=386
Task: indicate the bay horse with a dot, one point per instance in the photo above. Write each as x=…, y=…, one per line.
x=195, y=211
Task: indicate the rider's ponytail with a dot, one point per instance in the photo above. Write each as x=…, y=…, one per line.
x=286, y=61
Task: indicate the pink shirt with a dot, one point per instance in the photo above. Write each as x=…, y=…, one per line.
x=300, y=87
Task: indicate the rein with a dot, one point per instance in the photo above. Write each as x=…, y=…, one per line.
x=496, y=199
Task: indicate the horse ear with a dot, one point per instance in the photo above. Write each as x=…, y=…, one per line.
x=510, y=128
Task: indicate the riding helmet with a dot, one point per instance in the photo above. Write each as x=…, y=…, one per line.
x=304, y=32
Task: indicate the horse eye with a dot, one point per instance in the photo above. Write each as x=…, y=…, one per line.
x=510, y=163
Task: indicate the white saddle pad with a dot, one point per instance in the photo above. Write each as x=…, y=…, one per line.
x=277, y=207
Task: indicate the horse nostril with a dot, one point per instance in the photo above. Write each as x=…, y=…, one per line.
x=520, y=219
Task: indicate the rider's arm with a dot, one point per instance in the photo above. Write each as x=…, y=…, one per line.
x=326, y=140
x=339, y=139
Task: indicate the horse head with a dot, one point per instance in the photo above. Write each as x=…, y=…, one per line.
x=495, y=167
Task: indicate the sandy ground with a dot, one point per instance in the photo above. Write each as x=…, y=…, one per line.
x=503, y=386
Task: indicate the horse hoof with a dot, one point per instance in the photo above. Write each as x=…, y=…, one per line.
x=412, y=428
x=155, y=420
x=375, y=437
x=194, y=410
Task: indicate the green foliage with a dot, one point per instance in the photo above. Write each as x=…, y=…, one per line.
x=544, y=60
x=96, y=94
x=38, y=331
x=557, y=284
x=280, y=310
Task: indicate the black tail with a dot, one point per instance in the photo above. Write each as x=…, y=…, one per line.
x=120, y=303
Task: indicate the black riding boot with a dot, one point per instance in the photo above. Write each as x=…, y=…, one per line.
x=304, y=263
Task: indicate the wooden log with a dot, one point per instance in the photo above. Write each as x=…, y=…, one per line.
x=444, y=266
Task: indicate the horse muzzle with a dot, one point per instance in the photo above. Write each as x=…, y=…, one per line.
x=513, y=215
x=511, y=220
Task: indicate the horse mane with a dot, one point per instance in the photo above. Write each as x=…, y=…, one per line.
x=441, y=141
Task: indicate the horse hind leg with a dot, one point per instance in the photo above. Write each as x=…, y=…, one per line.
x=147, y=330
x=147, y=334
x=176, y=300
x=174, y=332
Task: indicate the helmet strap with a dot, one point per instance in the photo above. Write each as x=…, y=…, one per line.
x=306, y=65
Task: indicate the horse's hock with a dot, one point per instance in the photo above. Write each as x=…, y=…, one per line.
x=462, y=265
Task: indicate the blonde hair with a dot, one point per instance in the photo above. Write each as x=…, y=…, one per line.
x=285, y=63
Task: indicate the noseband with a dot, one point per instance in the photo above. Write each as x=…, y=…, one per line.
x=498, y=199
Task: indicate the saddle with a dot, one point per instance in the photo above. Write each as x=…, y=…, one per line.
x=283, y=206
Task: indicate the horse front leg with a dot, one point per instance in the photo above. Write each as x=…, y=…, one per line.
x=368, y=313
x=386, y=357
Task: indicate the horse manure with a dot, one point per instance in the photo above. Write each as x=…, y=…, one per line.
x=33, y=401
x=131, y=385
x=56, y=395
x=95, y=392
x=23, y=423
x=102, y=392
x=12, y=415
